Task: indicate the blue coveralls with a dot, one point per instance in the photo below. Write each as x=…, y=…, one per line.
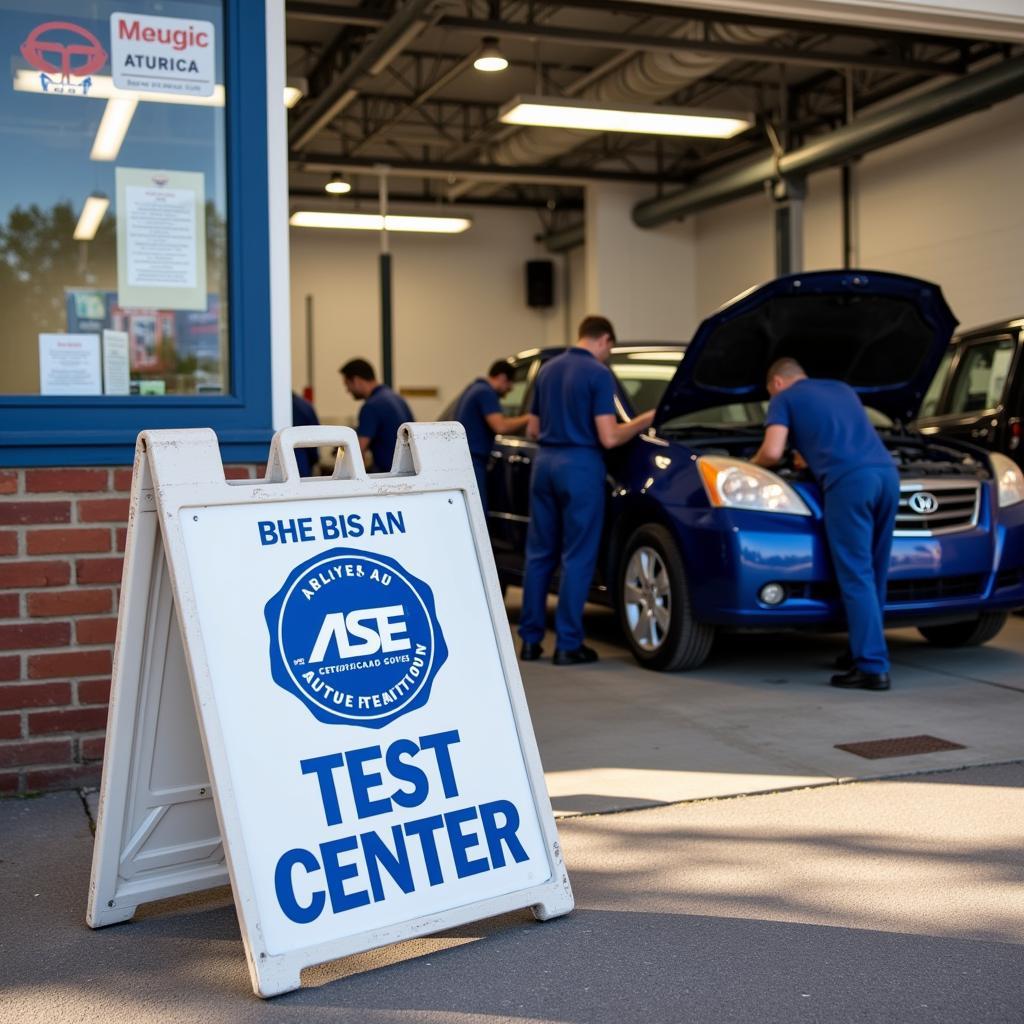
x=382, y=414
x=567, y=492
x=829, y=427
x=478, y=402
x=304, y=415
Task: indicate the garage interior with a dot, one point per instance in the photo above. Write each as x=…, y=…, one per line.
x=858, y=136
x=868, y=147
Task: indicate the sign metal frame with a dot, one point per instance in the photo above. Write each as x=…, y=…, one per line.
x=168, y=822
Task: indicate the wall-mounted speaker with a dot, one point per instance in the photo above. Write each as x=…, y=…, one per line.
x=540, y=283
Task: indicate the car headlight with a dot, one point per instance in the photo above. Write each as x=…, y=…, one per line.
x=736, y=483
x=1009, y=478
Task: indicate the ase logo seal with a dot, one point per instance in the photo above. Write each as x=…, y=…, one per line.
x=355, y=637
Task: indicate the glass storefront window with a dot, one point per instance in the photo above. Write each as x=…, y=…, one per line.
x=113, y=199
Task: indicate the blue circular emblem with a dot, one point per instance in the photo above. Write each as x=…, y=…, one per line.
x=355, y=637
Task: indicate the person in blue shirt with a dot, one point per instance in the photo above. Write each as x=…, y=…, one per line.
x=383, y=412
x=826, y=423
x=304, y=415
x=572, y=416
x=479, y=411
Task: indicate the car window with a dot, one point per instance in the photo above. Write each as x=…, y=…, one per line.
x=644, y=375
x=981, y=376
x=512, y=403
x=930, y=404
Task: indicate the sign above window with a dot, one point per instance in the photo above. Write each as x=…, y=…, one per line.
x=150, y=54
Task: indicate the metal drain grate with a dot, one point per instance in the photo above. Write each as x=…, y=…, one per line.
x=901, y=746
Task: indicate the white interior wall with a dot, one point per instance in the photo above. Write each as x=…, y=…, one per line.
x=642, y=280
x=734, y=250
x=946, y=205
x=459, y=304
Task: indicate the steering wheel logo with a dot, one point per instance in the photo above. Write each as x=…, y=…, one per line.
x=41, y=53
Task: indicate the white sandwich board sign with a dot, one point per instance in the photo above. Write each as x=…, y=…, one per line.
x=316, y=698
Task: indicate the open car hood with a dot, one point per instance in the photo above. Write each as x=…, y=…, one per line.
x=884, y=334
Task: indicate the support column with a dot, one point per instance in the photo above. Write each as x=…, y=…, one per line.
x=789, y=195
x=642, y=279
x=386, y=337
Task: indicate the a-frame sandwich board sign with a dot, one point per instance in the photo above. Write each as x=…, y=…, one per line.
x=316, y=698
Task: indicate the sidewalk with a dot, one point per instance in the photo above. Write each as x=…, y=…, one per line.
x=885, y=901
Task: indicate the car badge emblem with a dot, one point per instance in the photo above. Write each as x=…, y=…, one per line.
x=924, y=503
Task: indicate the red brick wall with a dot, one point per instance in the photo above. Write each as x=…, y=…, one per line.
x=62, y=537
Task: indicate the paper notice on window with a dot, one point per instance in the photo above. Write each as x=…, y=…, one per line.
x=116, y=376
x=69, y=364
x=161, y=239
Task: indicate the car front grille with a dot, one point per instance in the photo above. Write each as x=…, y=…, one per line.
x=899, y=591
x=929, y=507
x=933, y=589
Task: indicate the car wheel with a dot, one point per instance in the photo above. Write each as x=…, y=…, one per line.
x=972, y=633
x=654, y=604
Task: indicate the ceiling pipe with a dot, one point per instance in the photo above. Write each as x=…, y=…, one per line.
x=565, y=238
x=446, y=171
x=866, y=134
x=398, y=31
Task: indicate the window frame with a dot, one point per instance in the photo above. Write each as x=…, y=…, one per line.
x=44, y=430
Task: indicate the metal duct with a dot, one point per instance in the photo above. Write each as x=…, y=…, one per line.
x=873, y=131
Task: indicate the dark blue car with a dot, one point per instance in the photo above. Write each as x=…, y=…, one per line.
x=697, y=538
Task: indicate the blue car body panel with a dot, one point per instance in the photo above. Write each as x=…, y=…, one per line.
x=730, y=554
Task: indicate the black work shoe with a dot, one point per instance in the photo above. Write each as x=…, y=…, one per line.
x=530, y=651
x=581, y=655
x=857, y=680
x=844, y=662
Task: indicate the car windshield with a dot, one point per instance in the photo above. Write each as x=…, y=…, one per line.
x=643, y=374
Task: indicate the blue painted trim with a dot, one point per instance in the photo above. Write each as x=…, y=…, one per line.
x=49, y=431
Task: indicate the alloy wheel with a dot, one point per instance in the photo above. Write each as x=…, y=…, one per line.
x=647, y=598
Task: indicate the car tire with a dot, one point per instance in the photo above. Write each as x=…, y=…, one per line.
x=972, y=633
x=651, y=576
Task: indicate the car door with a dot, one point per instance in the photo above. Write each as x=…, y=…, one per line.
x=508, y=476
x=973, y=403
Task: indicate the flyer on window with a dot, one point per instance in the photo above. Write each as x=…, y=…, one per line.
x=161, y=239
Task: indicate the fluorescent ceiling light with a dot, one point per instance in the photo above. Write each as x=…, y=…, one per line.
x=117, y=116
x=375, y=222
x=490, y=57
x=103, y=88
x=294, y=91
x=614, y=117
x=89, y=219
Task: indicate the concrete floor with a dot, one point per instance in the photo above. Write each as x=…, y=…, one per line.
x=897, y=900
x=760, y=716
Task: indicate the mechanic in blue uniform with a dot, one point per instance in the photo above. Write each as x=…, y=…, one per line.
x=827, y=424
x=572, y=415
x=479, y=411
x=304, y=415
x=383, y=412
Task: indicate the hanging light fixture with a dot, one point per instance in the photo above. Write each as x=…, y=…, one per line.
x=375, y=222
x=490, y=57
x=546, y=112
x=337, y=186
